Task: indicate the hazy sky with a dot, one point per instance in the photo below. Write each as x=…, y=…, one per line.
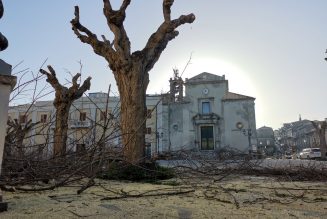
x=272, y=50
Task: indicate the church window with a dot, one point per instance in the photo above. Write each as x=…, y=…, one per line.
x=206, y=108
x=82, y=116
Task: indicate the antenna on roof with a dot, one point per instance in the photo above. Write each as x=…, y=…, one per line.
x=176, y=73
x=187, y=64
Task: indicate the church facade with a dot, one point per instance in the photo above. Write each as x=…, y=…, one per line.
x=207, y=117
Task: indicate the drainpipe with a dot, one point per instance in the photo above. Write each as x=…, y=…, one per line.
x=169, y=143
x=157, y=133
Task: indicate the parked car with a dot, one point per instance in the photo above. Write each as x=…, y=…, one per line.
x=310, y=153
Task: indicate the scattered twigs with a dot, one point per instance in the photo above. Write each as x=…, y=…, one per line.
x=124, y=194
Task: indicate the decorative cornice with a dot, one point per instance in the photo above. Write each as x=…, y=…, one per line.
x=8, y=80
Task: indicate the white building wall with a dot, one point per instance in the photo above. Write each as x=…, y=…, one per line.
x=234, y=112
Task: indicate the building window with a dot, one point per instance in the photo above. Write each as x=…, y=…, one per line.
x=148, y=131
x=80, y=148
x=148, y=150
x=148, y=113
x=207, y=139
x=102, y=115
x=44, y=118
x=22, y=119
x=206, y=108
x=82, y=116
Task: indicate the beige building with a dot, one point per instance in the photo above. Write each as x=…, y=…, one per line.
x=204, y=119
x=91, y=119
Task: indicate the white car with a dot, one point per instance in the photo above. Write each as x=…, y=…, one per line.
x=310, y=153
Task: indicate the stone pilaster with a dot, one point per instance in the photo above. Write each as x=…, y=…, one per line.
x=7, y=83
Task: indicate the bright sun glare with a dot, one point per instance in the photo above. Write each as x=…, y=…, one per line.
x=239, y=81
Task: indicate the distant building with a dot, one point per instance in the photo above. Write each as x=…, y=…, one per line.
x=202, y=120
x=266, y=141
x=295, y=136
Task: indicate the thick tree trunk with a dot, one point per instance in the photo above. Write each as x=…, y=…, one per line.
x=61, y=128
x=131, y=69
x=132, y=88
x=62, y=102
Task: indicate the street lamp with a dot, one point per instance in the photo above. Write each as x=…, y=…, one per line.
x=246, y=132
x=158, y=136
x=326, y=57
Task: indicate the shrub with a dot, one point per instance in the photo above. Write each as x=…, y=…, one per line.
x=149, y=172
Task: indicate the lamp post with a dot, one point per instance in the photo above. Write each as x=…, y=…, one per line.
x=158, y=136
x=246, y=132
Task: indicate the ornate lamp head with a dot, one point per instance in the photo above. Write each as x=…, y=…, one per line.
x=3, y=39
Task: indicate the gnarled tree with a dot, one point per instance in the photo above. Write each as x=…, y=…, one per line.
x=131, y=69
x=16, y=133
x=64, y=97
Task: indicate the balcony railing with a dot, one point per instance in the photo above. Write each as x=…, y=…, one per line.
x=80, y=124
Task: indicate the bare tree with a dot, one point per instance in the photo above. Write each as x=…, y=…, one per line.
x=64, y=97
x=16, y=133
x=131, y=69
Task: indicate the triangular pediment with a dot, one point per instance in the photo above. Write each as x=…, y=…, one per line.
x=205, y=76
x=229, y=96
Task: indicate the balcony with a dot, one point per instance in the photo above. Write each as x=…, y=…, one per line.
x=206, y=118
x=80, y=124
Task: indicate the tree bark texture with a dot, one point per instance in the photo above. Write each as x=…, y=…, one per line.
x=64, y=97
x=133, y=109
x=131, y=70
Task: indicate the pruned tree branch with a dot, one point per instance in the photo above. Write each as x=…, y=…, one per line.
x=64, y=97
x=52, y=78
x=166, y=6
x=81, y=89
x=86, y=36
x=74, y=92
x=115, y=20
x=1, y=9
x=165, y=33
